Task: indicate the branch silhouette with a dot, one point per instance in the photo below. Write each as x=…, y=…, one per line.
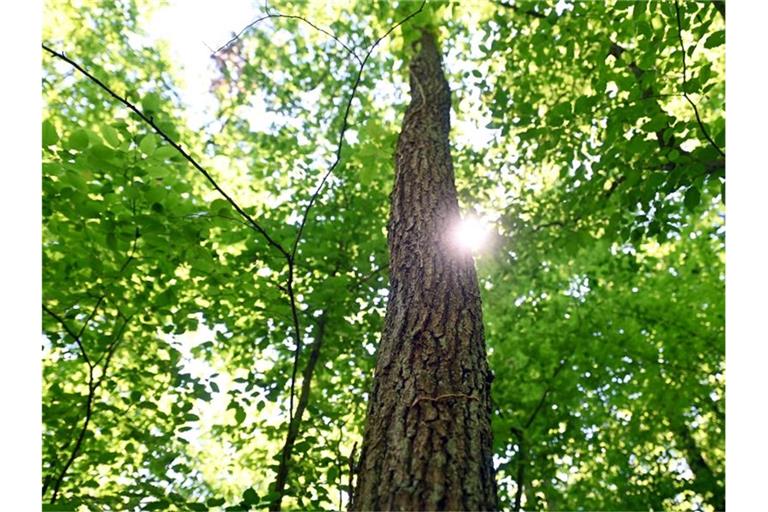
x=148, y=119
x=93, y=385
x=685, y=82
x=255, y=22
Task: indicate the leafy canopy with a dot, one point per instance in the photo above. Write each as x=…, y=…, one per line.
x=180, y=323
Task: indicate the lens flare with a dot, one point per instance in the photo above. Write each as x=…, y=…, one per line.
x=471, y=234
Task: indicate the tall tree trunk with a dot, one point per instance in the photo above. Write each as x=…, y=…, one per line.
x=427, y=442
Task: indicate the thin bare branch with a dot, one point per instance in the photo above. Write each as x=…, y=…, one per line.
x=116, y=339
x=149, y=120
x=345, y=124
x=255, y=22
x=93, y=385
x=77, y=336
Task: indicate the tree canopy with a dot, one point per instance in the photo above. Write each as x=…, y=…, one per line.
x=210, y=290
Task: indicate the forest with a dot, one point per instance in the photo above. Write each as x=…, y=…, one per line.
x=393, y=255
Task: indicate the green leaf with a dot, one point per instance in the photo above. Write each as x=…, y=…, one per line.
x=151, y=103
x=715, y=39
x=656, y=124
x=50, y=137
x=692, y=198
x=111, y=136
x=79, y=139
x=367, y=174
x=165, y=152
x=59, y=507
x=239, y=415
x=219, y=206
x=148, y=144
x=157, y=505
x=250, y=497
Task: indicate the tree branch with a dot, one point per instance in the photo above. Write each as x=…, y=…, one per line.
x=294, y=423
x=685, y=82
x=345, y=124
x=111, y=348
x=177, y=147
x=237, y=36
x=77, y=337
x=93, y=385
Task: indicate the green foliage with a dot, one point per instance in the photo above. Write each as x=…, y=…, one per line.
x=603, y=290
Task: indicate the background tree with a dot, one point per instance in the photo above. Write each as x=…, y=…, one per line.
x=200, y=345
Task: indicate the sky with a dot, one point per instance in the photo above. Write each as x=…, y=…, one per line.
x=191, y=44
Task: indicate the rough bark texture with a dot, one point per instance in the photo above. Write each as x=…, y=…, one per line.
x=427, y=442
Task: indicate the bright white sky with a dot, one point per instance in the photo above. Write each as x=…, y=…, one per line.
x=192, y=29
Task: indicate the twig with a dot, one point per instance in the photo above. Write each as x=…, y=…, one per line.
x=294, y=424
x=237, y=36
x=77, y=337
x=136, y=236
x=345, y=124
x=111, y=348
x=685, y=82
x=93, y=385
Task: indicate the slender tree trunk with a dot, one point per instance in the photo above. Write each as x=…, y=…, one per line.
x=706, y=482
x=281, y=480
x=427, y=442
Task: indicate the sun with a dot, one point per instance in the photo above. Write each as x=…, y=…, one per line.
x=471, y=234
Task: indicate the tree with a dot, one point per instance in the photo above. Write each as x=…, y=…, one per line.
x=427, y=443
x=215, y=296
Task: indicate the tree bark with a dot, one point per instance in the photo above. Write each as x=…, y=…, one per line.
x=427, y=442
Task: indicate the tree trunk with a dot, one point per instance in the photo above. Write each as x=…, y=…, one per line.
x=427, y=441
x=705, y=482
x=281, y=480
